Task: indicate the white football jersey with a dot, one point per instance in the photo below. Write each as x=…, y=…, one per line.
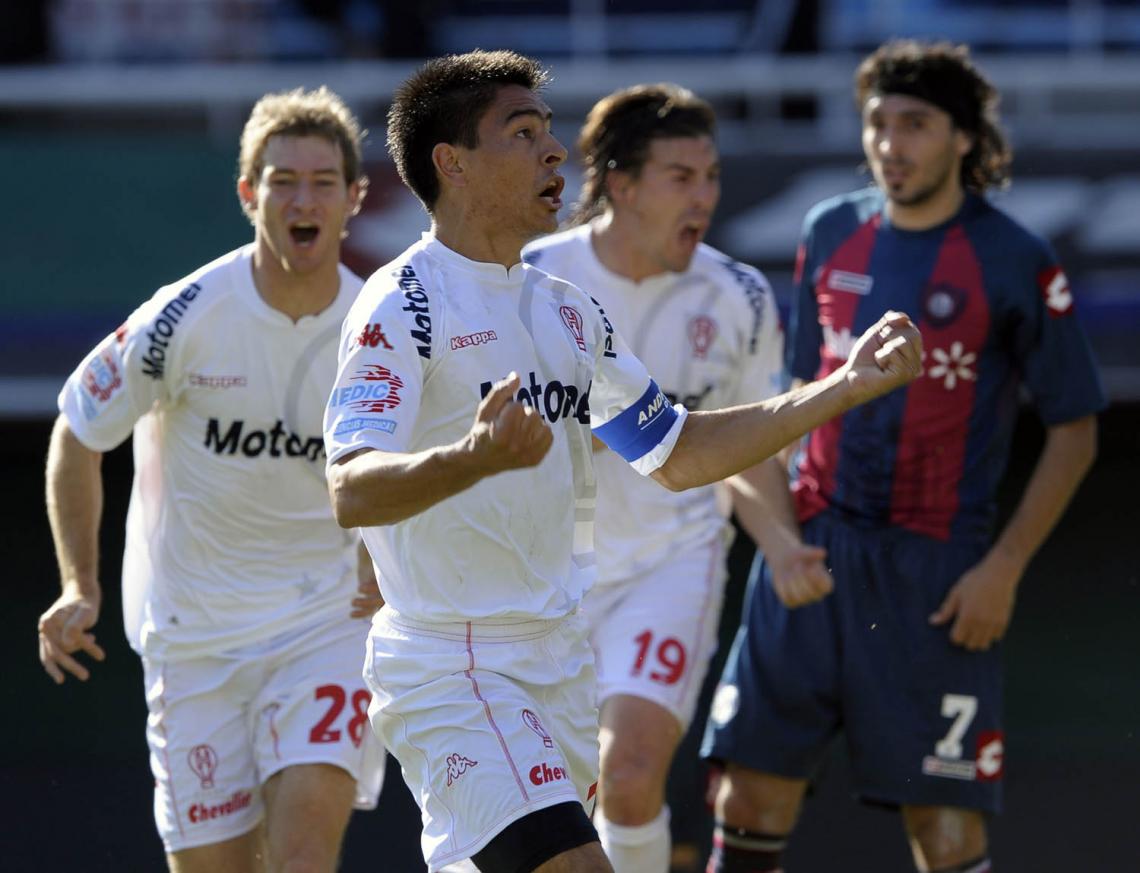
x=231, y=539
x=425, y=341
x=711, y=337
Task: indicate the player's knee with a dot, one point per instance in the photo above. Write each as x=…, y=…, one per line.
x=632, y=785
x=758, y=801
x=942, y=837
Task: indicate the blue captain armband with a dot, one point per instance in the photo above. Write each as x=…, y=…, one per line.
x=640, y=428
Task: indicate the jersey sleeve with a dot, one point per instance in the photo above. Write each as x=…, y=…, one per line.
x=380, y=375
x=628, y=412
x=126, y=374
x=762, y=359
x=805, y=336
x=1053, y=351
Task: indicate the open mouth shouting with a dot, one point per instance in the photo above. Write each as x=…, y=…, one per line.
x=552, y=191
x=304, y=234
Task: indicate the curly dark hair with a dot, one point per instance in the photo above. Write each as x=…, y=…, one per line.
x=943, y=74
x=620, y=127
x=444, y=101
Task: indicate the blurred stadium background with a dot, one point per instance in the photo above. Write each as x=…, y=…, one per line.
x=118, y=142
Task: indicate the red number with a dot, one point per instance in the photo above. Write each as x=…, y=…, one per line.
x=670, y=655
x=321, y=732
x=360, y=701
x=643, y=640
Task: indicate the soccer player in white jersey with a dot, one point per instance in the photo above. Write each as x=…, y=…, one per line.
x=459, y=440
x=239, y=586
x=707, y=327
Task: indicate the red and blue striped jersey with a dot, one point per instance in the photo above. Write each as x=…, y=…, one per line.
x=996, y=315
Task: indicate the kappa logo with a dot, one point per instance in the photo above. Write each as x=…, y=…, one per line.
x=473, y=339
x=372, y=335
x=203, y=760
x=1054, y=286
x=532, y=721
x=702, y=332
x=457, y=765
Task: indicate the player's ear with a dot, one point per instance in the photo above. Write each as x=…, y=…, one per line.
x=619, y=186
x=449, y=164
x=247, y=196
x=963, y=142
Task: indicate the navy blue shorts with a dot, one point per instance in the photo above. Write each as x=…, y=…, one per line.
x=922, y=716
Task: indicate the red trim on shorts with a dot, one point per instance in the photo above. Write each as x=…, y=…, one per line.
x=273, y=729
x=490, y=717
x=166, y=754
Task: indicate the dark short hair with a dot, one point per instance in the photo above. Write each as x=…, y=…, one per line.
x=444, y=101
x=944, y=75
x=620, y=127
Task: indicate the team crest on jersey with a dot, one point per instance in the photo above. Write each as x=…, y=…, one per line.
x=532, y=721
x=457, y=765
x=102, y=378
x=942, y=304
x=702, y=332
x=1054, y=286
x=203, y=760
x=572, y=318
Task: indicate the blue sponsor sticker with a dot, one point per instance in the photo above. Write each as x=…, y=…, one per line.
x=353, y=425
x=641, y=427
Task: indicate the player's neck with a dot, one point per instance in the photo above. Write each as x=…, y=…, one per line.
x=476, y=240
x=616, y=245
x=294, y=294
x=936, y=209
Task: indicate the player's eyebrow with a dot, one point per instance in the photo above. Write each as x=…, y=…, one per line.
x=518, y=113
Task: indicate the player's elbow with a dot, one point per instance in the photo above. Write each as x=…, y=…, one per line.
x=347, y=505
x=671, y=476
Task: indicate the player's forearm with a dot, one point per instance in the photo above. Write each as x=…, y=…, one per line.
x=1068, y=453
x=763, y=505
x=376, y=488
x=74, y=494
x=717, y=444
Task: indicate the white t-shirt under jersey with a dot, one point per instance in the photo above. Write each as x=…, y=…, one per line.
x=230, y=536
x=711, y=337
x=426, y=339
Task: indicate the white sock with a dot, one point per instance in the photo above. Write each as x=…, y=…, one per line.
x=640, y=849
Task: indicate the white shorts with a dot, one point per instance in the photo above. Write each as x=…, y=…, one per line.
x=219, y=727
x=654, y=635
x=490, y=722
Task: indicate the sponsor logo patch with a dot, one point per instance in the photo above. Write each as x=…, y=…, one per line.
x=1054, y=286
x=202, y=380
x=554, y=400
x=200, y=812
x=608, y=351
x=379, y=392
x=540, y=774
x=162, y=330
x=277, y=441
x=473, y=339
x=950, y=768
x=852, y=283
x=991, y=756
x=353, y=425
x=416, y=303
